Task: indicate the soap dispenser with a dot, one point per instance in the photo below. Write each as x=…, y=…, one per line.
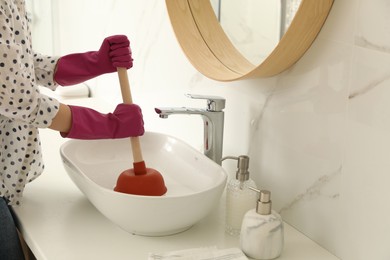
x=262, y=232
x=239, y=198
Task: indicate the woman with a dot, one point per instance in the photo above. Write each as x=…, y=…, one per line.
x=23, y=109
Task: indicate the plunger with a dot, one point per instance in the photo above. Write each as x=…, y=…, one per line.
x=138, y=180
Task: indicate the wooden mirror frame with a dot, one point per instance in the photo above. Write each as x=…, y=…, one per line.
x=210, y=51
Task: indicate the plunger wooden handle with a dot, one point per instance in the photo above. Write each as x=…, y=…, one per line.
x=127, y=99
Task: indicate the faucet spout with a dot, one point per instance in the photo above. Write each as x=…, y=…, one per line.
x=213, y=122
x=164, y=112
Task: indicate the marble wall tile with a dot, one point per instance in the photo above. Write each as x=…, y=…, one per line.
x=373, y=25
x=340, y=25
x=365, y=185
x=299, y=145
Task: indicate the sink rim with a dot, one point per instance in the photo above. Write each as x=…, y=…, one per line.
x=222, y=175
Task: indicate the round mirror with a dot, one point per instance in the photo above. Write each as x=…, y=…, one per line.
x=210, y=50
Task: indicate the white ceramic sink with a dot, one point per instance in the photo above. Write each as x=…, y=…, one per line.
x=194, y=182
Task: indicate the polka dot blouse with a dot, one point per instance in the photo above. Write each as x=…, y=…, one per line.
x=23, y=109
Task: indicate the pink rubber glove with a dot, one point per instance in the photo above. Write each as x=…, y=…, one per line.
x=78, y=67
x=88, y=124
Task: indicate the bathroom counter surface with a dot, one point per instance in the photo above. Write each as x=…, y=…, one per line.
x=58, y=222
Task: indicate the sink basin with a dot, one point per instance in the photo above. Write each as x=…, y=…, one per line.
x=195, y=183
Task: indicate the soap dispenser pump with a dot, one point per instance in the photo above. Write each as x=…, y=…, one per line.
x=239, y=198
x=262, y=232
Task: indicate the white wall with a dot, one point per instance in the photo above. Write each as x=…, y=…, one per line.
x=40, y=14
x=318, y=135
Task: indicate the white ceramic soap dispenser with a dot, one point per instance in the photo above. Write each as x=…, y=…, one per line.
x=262, y=235
x=239, y=198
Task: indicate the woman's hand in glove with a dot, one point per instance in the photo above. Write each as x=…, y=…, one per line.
x=87, y=124
x=75, y=68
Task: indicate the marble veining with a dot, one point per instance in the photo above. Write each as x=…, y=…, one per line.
x=262, y=236
x=365, y=43
x=257, y=120
x=371, y=86
x=315, y=191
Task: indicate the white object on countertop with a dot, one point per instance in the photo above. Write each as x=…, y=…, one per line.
x=262, y=231
x=239, y=198
x=194, y=182
x=81, y=90
x=77, y=91
x=207, y=253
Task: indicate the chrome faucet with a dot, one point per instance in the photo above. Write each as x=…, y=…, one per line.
x=213, y=121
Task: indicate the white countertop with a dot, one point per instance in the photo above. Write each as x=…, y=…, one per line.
x=58, y=222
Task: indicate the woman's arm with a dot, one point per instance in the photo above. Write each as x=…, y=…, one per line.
x=63, y=119
x=44, y=68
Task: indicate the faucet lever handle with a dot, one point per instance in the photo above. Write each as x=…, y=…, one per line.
x=214, y=103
